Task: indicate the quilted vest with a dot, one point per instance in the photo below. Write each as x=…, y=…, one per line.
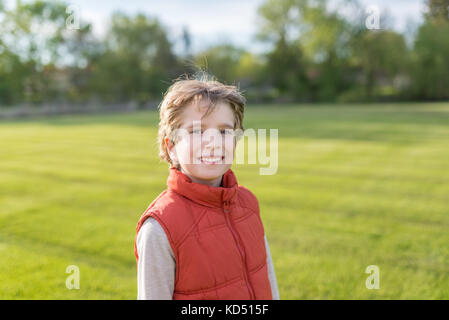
x=217, y=237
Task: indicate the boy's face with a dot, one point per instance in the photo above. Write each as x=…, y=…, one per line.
x=205, y=149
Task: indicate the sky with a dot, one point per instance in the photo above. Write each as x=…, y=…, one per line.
x=213, y=22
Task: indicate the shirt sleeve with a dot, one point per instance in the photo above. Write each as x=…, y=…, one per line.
x=156, y=268
x=271, y=273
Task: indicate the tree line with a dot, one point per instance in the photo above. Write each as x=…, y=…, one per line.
x=314, y=54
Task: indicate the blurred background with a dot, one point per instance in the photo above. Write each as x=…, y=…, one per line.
x=359, y=91
x=277, y=51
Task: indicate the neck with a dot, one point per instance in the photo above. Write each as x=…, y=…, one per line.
x=213, y=183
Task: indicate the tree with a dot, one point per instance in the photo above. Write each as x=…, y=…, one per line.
x=187, y=41
x=285, y=62
x=430, y=63
x=138, y=57
x=438, y=10
x=28, y=51
x=310, y=47
x=326, y=44
x=39, y=49
x=430, y=69
x=222, y=61
x=382, y=56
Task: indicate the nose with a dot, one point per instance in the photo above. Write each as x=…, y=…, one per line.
x=212, y=142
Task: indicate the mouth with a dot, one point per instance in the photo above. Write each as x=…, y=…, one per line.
x=212, y=160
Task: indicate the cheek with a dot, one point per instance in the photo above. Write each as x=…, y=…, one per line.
x=229, y=151
x=187, y=151
x=183, y=151
x=229, y=146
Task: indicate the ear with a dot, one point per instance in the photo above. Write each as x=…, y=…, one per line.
x=171, y=149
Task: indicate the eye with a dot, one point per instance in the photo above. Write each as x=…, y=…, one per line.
x=196, y=131
x=226, y=132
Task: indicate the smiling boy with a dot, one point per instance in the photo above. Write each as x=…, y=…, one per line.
x=202, y=237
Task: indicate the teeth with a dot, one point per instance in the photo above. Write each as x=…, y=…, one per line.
x=211, y=159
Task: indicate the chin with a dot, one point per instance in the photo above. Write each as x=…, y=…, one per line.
x=207, y=172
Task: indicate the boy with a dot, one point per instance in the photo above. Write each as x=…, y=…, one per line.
x=202, y=237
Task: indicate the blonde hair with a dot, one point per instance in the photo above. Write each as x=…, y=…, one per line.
x=184, y=91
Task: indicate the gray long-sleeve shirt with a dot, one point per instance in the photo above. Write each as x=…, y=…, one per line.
x=157, y=265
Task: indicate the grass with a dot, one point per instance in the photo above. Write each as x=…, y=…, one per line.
x=357, y=185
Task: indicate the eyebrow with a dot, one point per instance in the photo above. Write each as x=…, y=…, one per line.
x=220, y=125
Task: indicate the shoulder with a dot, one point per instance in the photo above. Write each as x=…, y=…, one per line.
x=152, y=236
x=164, y=202
x=248, y=199
x=151, y=229
x=151, y=232
x=173, y=208
x=167, y=206
x=173, y=213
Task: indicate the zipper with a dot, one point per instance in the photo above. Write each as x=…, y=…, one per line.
x=242, y=252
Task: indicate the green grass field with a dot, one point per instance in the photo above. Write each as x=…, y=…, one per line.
x=357, y=185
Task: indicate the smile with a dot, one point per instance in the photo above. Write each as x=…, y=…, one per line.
x=211, y=160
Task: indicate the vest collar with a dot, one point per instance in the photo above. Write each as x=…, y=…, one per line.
x=202, y=193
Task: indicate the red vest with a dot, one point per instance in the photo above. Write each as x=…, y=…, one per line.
x=217, y=237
